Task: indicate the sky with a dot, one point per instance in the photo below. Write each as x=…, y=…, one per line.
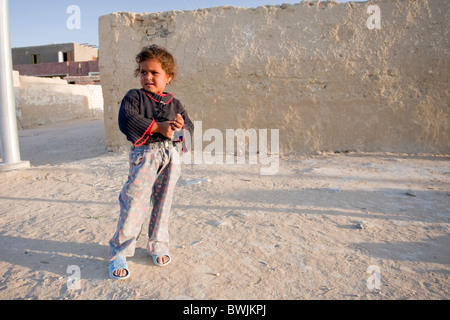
x=42, y=22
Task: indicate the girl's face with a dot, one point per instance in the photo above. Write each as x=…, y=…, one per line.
x=153, y=77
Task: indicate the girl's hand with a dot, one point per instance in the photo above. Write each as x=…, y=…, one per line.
x=165, y=128
x=178, y=123
x=168, y=128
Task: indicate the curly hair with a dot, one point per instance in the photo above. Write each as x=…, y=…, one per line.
x=155, y=52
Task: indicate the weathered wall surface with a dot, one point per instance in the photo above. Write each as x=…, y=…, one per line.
x=41, y=101
x=315, y=71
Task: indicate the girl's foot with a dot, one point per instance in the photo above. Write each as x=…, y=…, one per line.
x=121, y=273
x=118, y=268
x=161, y=260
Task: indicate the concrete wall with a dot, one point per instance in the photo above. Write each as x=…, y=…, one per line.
x=41, y=101
x=313, y=70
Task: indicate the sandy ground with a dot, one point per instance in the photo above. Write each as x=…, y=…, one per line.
x=330, y=226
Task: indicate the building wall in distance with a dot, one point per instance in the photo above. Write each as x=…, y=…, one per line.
x=52, y=69
x=49, y=53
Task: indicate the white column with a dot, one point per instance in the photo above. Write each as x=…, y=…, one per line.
x=8, y=122
x=60, y=56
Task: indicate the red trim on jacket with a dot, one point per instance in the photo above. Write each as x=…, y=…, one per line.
x=147, y=132
x=159, y=95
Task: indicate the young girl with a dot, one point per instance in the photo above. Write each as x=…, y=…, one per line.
x=149, y=117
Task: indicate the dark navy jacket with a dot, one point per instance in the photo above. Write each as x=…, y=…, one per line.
x=140, y=107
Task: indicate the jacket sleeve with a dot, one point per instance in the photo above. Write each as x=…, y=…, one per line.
x=131, y=122
x=189, y=127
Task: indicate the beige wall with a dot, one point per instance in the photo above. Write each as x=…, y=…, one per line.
x=84, y=53
x=41, y=100
x=315, y=71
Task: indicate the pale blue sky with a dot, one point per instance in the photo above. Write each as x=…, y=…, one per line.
x=44, y=22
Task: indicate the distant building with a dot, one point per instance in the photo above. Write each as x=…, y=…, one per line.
x=76, y=63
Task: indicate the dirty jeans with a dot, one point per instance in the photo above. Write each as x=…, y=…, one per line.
x=153, y=175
